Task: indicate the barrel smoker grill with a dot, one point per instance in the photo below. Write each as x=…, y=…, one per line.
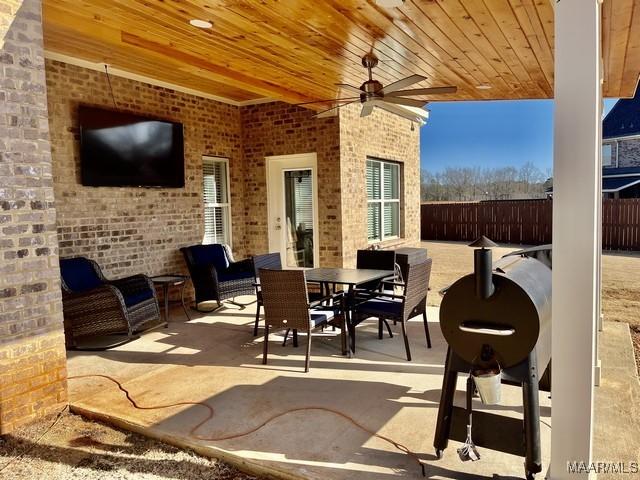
x=502, y=311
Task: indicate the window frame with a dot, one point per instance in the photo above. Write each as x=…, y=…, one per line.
x=382, y=200
x=226, y=206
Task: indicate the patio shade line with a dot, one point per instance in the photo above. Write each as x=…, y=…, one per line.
x=211, y=413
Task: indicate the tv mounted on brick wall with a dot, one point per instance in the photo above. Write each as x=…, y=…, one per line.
x=126, y=150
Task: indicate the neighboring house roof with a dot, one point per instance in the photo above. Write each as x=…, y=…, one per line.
x=623, y=119
x=616, y=179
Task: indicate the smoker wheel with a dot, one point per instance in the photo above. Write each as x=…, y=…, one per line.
x=439, y=453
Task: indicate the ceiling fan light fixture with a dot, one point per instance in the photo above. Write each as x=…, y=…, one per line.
x=389, y=3
x=484, y=87
x=200, y=23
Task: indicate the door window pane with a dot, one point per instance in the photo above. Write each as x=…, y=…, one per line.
x=299, y=218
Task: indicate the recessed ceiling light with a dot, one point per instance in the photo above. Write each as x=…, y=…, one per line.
x=200, y=23
x=483, y=87
x=389, y=3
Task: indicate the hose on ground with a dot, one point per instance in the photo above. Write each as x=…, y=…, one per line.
x=211, y=413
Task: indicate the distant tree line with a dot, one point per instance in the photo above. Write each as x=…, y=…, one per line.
x=475, y=183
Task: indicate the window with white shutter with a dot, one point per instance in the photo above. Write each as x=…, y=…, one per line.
x=383, y=200
x=217, y=206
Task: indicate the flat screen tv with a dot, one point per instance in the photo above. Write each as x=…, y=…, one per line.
x=125, y=150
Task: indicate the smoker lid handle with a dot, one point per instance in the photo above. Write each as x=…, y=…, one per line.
x=487, y=328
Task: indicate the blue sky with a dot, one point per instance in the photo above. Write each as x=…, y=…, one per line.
x=489, y=134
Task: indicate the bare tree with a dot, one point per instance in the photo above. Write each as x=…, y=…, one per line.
x=529, y=174
x=475, y=183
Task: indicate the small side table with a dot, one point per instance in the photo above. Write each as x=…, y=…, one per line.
x=166, y=282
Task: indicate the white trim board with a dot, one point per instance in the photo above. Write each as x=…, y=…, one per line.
x=633, y=136
x=99, y=67
x=620, y=175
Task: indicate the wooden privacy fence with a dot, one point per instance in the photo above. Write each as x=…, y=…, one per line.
x=526, y=222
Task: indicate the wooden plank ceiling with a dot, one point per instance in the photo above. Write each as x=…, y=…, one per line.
x=297, y=50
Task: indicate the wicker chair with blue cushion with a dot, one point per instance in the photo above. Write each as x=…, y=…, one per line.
x=273, y=261
x=215, y=275
x=287, y=306
x=399, y=307
x=94, y=306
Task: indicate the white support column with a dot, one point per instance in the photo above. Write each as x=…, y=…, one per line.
x=576, y=177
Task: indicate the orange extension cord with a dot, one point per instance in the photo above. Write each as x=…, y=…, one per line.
x=211, y=413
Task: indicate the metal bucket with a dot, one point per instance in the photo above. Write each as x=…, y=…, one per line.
x=489, y=385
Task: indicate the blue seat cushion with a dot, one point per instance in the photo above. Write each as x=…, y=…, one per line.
x=318, y=317
x=392, y=307
x=226, y=276
x=78, y=274
x=137, y=297
x=215, y=255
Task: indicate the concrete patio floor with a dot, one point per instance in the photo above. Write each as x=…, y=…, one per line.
x=215, y=359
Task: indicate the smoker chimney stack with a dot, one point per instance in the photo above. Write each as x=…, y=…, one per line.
x=482, y=263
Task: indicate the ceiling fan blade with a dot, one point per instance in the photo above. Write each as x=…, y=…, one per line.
x=351, y=88
x=401, y=112
x=332, y=100
x=423, y=91
x=367, y=108
x=330, y=112
x=410, y=102
x=400, y=84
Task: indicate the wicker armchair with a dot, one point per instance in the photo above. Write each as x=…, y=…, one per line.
x=215, y=274
x=94, y=306
x=399, y=307
x=287, y=306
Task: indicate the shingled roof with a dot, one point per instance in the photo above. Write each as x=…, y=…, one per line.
x=623, y=119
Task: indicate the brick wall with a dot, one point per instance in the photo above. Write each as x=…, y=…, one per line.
x=342, y=144
x=280, y=129
x=387, y=137
x=138, y=230
x=32, y=355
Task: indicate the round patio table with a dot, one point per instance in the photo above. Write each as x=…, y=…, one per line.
x=166, y=282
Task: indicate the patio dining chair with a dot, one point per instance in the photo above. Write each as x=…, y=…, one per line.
x=272, y=261
x=398, y=307
x=287, y=306
x=377, y=260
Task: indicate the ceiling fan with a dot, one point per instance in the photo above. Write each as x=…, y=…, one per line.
x=391, y=98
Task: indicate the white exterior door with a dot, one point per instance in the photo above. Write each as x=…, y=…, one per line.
x=292, y=209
